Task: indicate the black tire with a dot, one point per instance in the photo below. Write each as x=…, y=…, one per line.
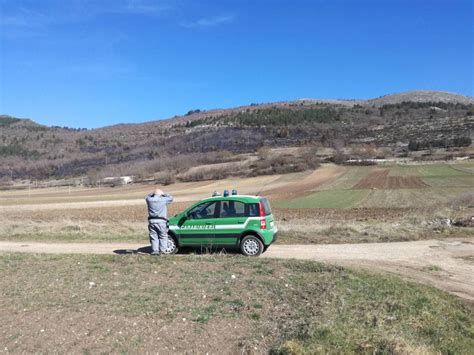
x=251, y=245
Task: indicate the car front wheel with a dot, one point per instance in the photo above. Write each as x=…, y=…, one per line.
x=251, y=246
x=172, y=246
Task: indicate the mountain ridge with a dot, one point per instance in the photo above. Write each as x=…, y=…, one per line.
x=427, y=96
x=389, y=99
x=171, y=146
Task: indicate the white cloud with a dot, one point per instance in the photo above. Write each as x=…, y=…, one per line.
x=22, y=17
x=16, y=21
x=78, y=11
x=208, y=21
x=141, y=7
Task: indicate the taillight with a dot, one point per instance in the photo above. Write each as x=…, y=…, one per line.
x=263, y=223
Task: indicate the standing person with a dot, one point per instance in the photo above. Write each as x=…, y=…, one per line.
x=157, y=220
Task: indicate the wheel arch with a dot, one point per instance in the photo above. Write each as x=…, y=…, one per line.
x=254, y=233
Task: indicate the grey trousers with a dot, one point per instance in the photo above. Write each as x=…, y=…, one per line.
x=158, y=236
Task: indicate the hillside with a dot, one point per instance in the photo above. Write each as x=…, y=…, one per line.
x=422, y=118
x=422, y=96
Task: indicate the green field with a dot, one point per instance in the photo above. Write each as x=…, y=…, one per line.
x=413, y=198
x=426, y=170
x=327, y=199
x=102, y=304
x=438, y=175
x=446, y=182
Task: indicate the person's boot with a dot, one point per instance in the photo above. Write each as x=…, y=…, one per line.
x=156, y=253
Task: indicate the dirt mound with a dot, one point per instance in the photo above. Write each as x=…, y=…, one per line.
x=379, y=179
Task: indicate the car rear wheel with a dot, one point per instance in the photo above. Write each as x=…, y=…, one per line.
x=251, y=246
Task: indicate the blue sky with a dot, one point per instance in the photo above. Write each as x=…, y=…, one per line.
x=85, y=63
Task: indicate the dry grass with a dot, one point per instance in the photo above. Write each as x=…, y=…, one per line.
x=316, y=231
x=70, y=230
x=303, y=226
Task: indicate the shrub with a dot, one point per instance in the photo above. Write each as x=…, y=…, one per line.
x=465, y=200
x=413, y=145
x=166, y=178
x=192, y=112
x=339, y=158
x=462, y=141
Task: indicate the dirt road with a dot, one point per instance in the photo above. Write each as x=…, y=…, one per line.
x=447, y=264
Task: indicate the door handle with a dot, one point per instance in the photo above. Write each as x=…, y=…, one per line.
x=208, y=223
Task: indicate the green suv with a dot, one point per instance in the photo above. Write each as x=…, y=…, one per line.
x=245, y=222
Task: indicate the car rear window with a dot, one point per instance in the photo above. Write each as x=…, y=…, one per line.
x=266, y=206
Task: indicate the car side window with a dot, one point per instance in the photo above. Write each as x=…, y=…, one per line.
x=232, y=209
x=202, y=211
x=254, y=210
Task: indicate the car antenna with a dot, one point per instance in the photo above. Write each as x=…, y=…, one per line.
x=263, y=186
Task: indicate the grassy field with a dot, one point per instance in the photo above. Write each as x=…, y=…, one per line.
x=327, y=199
x=444, y=183
x=93, y=304
x=435, y=198
x=439, y=175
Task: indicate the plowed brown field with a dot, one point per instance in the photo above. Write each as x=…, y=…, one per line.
x=300, y=187
x=379, y=179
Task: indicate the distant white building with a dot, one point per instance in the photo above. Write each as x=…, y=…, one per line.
x=127, y=179
x=123, y=180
